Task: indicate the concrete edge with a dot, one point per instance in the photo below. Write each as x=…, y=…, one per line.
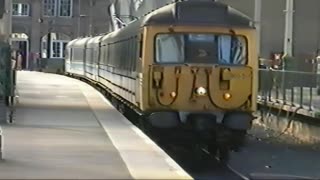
x=171, y=163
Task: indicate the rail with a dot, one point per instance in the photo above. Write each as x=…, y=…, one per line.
x=291, y=89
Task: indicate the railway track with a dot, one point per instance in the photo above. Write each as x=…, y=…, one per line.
x=229, y=167
x=207, y=167
x=203, y=165
x=200, y=164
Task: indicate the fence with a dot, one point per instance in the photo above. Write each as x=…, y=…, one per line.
x=49, y=65
x=290, y=88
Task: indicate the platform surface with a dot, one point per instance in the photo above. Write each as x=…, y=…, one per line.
x=65, y=129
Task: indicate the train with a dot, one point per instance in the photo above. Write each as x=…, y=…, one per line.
x=189, y=66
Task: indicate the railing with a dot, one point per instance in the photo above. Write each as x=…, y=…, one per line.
x=291, y=88
x=48, y=65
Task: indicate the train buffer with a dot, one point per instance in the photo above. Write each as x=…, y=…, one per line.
x=65, y=129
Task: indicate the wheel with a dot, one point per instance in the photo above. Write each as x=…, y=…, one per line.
x=213, y=149
x=114, y=103
x=223, y=154
x=142, y=124
x=238, y=140
x=122, y=109
x=199, y=158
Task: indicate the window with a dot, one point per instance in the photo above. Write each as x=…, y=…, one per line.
x=77, y=54
x=49, y=7
x=201, y=48
x=60, y=8
x=58, y=49
x=65, y=8
x=19, y=9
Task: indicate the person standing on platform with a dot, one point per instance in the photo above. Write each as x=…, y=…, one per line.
x=13, y=62
x=19, y=61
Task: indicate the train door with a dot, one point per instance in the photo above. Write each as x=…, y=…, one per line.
x=85, y=60
x=138, y=70
x=21, y=45
x=98, y=62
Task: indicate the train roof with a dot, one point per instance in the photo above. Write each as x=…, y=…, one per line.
x=94, y=41
x=70, y=43
x=193, y=13
x=81, y=42
x=197, y=13
x=109, y=35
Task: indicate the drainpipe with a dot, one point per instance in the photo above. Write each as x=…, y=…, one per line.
x=90, y=19
x=257, y=20
x=112, y=11
x=79, y=18
x=288, y=36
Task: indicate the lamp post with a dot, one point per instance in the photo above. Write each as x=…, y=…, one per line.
x=288, y=35
x=90, y=18
x=79, y=18
x=257, y=20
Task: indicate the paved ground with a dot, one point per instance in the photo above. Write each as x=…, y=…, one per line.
x=269, y=153
x=60, y=133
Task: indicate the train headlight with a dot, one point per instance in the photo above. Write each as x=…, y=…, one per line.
x=201, y=91
x=173, y=94
x=227, y=96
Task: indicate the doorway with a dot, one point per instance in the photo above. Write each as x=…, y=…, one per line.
x=20, y=44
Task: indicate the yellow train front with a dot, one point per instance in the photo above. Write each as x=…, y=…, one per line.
x=188, y=65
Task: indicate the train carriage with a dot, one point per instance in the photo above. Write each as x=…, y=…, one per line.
x=188, y=64
x=75, y=59
x=92, y=53
x=119, y=62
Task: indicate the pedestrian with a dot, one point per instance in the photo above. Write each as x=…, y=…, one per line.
x=19, y=61
x=13, y=62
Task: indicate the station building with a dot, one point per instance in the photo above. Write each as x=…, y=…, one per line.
x=34, y=22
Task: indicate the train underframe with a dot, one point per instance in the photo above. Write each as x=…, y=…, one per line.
x=217, y=132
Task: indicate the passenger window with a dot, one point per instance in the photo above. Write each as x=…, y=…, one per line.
x=201, y=48
x=70, y=55
x=135, y=53
x=170, y=48
x=141, y=46
x=232, y=50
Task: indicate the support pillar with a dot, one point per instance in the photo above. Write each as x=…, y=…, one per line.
x=288, y=35
x=257, y=20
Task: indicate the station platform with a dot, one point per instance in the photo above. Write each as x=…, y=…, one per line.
x=65, y=129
